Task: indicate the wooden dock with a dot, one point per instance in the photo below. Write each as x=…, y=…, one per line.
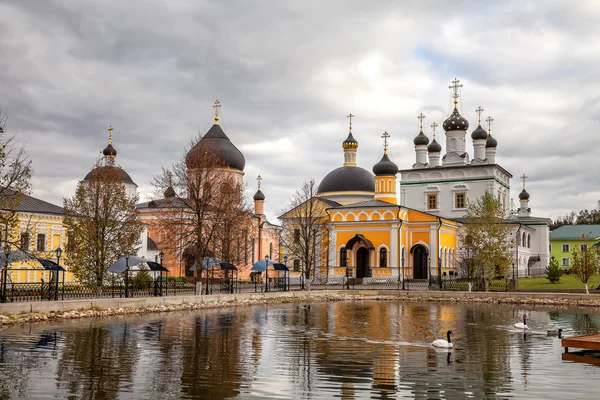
x=587, y=342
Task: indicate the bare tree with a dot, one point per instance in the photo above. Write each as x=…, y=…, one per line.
x=585, y=262
x=102, y=223
x=206, y=213
x=485, y=236
x=15, y=183
x=303, y=227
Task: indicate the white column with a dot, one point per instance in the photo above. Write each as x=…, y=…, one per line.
x=433, y=253
x=394, y=246
x=332, y=247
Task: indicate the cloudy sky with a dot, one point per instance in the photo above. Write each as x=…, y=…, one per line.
x=288, y=72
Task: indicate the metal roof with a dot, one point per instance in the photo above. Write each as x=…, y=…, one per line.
x=574, y=232
x=32, y=205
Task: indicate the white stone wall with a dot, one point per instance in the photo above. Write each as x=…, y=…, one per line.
x=446, y=181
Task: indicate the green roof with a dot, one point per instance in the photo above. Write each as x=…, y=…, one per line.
x=574, y=232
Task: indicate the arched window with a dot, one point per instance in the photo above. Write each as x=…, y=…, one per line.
x=529, y=240
x=343, y=257
x=524, y=241
x=271, y=251
x=253, y=254
x=383, y=257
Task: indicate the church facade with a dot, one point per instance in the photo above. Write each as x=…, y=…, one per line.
x=376, y=231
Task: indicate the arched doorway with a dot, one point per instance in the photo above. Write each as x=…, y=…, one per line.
x=420, y=262
x=362, y=262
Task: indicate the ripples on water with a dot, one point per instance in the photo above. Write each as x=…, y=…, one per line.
x=350, y=350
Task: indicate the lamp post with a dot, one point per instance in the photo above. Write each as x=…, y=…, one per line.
x=58, y=252
x=5, y=274
x=267, y=273
x=161, y=256
x=126, y=275
x=287, y=273
x=403, y=287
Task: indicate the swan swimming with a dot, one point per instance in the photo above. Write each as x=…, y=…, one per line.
x=445, y=344
x=522, y=325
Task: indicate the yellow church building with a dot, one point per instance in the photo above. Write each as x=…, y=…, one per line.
x=367, y=234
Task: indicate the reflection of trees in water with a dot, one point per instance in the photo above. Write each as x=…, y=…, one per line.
x=585, y=324
x=95, y=362
x=211, y=357
x=18, y=361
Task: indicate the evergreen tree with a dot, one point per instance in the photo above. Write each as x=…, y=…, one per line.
x=553, y=271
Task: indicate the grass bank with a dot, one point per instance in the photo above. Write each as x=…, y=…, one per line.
x=567, y=282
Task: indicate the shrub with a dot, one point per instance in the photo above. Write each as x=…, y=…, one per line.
x=142, y=279
x=553, y=271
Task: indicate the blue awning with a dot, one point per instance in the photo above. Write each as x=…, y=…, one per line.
x=261, y=265
x=50, y=265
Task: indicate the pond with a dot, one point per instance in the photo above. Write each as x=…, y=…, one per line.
x=347, y=350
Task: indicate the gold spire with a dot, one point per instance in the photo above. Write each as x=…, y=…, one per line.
x=385, y=137
x=259, y=178
x=216, y=107
x=421, y=117
x=455, y=86
x=350, y=116
x=479, y=110
x=434, y=126
x=489, y=120
x=110, y=129
x=524, y=177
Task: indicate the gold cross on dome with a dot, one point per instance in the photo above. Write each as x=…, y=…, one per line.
x=479, y=110
x=421, y=117
x=524, y=177
x=350, y=116
x=110, y=129
x=385, y=137
x=489, y=120
x=216, y=107
x=259, y=178
x=455, y=85
x=434, y=126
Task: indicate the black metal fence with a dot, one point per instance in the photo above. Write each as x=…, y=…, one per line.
x=227, y=283
x=24, y=292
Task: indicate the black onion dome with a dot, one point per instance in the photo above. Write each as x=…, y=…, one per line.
x=491, y=142
x=259, y=195
x=434, y=147
x=421, y=140
x=479, y=133
x=110, y=151
x=348, y=179
x=216, y=140
x=456, y=122
x=350, y=142
x=170, y=192
x=524, y=195
x=385, y=167
x=125, y=178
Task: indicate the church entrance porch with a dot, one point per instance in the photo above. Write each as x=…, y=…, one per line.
x=420, y=254
x=362, y=263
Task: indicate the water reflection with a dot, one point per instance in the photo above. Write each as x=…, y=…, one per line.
x=347, y=350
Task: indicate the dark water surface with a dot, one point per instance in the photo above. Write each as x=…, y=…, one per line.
x=350, y=350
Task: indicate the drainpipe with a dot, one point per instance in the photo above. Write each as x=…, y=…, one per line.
x=401, y=265
x=439, y=261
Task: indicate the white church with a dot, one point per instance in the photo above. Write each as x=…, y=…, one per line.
x=443, y=184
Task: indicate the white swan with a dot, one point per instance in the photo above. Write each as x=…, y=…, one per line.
x=445, y=344
x=522, y=325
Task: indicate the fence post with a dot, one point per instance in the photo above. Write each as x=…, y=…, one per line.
x=4, y=279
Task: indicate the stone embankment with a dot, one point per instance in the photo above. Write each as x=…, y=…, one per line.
x=19, y=313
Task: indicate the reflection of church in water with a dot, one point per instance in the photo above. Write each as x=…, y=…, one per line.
x=377, y=232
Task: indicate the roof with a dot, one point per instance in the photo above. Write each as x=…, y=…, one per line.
x=347, y=179
x=125, y=178
x=32, y=205
x=216, y=140
x=371, y=203
x=574, y=232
